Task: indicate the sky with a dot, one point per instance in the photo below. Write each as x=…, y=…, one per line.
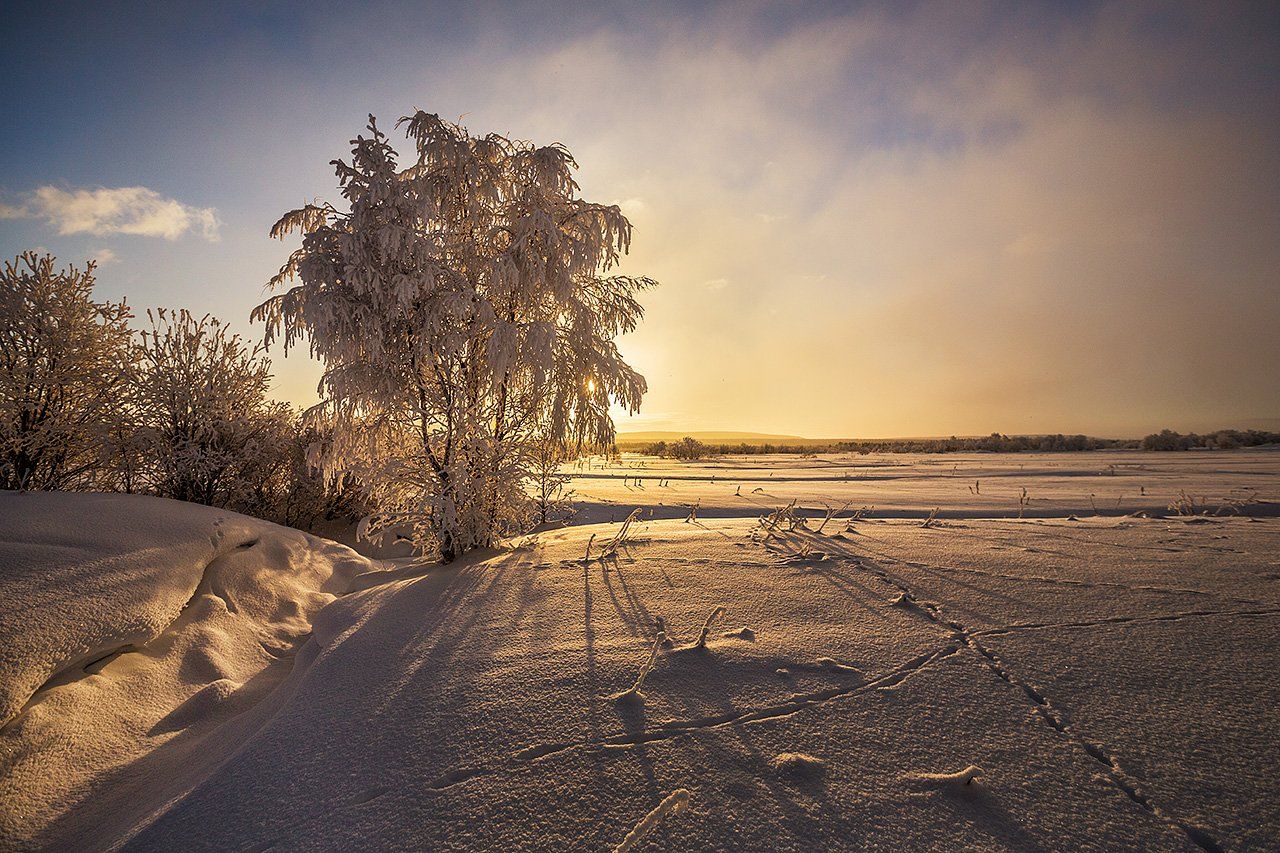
x=868, y=220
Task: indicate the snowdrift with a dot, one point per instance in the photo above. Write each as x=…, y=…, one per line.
x=127, y=621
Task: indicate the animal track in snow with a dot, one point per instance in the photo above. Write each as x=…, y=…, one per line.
x=1051, y=716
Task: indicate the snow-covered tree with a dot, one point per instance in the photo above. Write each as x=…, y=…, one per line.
x=63, y=364
x=211, y=434
x=461, y=305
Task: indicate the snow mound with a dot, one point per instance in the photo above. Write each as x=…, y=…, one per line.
x=126, y=620
x=798, y=764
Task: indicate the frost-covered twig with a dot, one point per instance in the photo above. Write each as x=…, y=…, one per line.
x=782, y=515
x=858, y=515
x=633, y=692
x=621, y=536
x=961, y=778
x=706, y=627
x=932, y=519
x=674, y=803
x=830, y=514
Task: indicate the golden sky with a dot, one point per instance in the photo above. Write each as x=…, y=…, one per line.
x=872, y=220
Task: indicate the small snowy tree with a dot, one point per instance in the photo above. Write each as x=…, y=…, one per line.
x=459, y=305
x=201, y=396
x=64, y=360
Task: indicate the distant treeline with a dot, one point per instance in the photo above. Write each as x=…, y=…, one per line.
x=1223, y=439
x=689, y=448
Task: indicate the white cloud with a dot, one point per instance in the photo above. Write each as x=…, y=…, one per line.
x=119, y=210
x=104, y=256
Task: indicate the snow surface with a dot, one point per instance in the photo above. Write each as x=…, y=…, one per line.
x=911, y=485
x=1098, y=684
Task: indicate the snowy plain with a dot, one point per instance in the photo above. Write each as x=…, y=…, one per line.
x=177, y=677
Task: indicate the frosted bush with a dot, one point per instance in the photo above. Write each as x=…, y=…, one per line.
x=63, y=370
x=211, y=435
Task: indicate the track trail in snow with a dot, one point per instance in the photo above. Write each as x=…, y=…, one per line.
x=1041, y=579
x=1044, y=707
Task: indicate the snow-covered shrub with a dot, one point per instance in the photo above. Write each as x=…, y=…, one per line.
x=63, y=365
x=546, y=459
x=463, y=309
x=687, y=449
x=211, y=434
x=611, y=547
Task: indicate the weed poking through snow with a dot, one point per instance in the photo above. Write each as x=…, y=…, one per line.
x=674, y=803
x=831, y=513
x=932, y=519
x=706, y=628
x=611, y=547
x=632, y=693
x=858, y=515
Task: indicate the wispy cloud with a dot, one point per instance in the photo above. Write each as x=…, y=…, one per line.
x=119, y=210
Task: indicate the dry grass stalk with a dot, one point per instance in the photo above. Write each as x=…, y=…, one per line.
x=633, y=692
x=706, y=627
x=611, y=546
x=832, y=513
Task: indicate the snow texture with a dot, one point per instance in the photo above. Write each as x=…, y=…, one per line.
x=1112, y=677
